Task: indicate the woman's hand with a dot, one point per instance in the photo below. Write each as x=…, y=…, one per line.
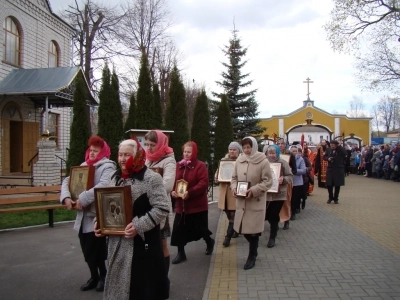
x=216, y=180
x=97, y=231
x=174, y=194
x=280, y=180
x=69, y=203
x=234, y=193
x=185, y=195
x=78, y=205
x=249, y=194
x=130, y=231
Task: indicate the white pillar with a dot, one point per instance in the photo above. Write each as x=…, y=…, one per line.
x=46, y=170
x=281, y=128
x=337, y=127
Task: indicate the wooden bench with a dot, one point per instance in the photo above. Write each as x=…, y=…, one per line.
x=44, y=195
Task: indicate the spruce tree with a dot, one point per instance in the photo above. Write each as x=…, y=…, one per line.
x=243, y=105
x=176, y=114
x=201, y=127
x=157, y=107
x=145, y=99
x=80, y=128
x=110, y=112
x=223, y=131
x=130, y=122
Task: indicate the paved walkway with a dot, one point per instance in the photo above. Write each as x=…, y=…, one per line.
x=345, y=251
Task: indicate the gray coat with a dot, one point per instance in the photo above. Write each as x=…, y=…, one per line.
x=103, y=171
x=287, y=179
x=120, y=249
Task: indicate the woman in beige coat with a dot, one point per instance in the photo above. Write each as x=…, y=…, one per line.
x=253, y=167
x=226, y=201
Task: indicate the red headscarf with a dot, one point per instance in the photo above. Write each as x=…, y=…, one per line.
x=192, y=144
x=135, y=163
x=162, y=148
x=104, y=152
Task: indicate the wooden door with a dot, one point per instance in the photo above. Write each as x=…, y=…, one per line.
x=16, y=150
x=29, y=146
x=5, y=146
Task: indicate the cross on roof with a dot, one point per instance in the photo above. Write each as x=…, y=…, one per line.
x=308, y=81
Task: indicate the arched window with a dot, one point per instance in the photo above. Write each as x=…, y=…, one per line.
x=12, y=42
x=53, y=54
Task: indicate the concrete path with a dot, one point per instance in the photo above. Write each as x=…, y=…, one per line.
x=345, y=251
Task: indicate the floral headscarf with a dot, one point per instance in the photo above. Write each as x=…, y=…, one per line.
x=136, y=162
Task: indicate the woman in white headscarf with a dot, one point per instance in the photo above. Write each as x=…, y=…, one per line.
x=226, y=201
x=252, y=167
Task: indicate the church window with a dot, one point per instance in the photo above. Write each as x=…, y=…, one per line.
x=12, y=42
x=53, y=54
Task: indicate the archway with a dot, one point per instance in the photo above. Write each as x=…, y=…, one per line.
x=313, y=134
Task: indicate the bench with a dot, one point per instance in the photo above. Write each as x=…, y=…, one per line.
x=43, y=195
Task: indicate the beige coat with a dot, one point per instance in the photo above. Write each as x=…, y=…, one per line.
x=286, y=172
x=250, y=213
x=226, y=201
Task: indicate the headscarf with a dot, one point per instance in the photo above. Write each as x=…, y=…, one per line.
x=235, y=145
x=136, y=162
x=192, y=144
x=104, y=152
x=254, y=147
x=162, y=148
x=277, y=150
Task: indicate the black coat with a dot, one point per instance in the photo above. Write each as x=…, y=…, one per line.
x=335, y=171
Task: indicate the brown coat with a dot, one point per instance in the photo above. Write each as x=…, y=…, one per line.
x=250, y=212
x=226, y=201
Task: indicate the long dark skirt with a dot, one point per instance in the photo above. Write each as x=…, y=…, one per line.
x=94, y=249
x=189, y=228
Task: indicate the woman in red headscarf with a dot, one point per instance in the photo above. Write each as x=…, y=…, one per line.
x=191, y=208
x=94, y=250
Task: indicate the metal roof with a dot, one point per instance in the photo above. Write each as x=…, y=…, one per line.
x=58, y=84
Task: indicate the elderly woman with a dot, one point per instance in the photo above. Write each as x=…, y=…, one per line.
x=94, y=250
x=136, y=262
x=275, y=200
x=161, y=157
x=191, y=218
x=252, y=167
x=226, y=201
x=298, y=188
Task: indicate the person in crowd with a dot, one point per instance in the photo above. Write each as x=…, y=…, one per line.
x=226, y=201
x=94, y=250
x=347, y=161
x=307, y=178
x=159, y=156
x=275, y=200
x=375, y=161
x=191, y=211
x=396, y=165
x=252, y=167
x=136, y=268
x=286, y=208
x=335, y=157
x=298, y=184
x=386, y=167
x=320, y=165
x=368, y=161
x=311, y=158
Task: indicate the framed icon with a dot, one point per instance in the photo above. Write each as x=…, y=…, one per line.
x=114, y=209
x=285, y=157
x=242, y=187
x=276, y=173
x=81, y=178
x=181, y=187
x=158, y=170
x=225, y=170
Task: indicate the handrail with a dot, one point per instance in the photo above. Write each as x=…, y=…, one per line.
x=62, y=161
x=29, y=164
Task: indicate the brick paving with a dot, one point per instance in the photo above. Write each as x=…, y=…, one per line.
x=345, y=251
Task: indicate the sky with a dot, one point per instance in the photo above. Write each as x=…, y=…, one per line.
x=286, y=45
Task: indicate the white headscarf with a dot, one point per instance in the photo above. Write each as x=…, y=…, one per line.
x=254, y=147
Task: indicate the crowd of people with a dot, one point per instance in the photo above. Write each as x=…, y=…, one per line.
x=139, y=259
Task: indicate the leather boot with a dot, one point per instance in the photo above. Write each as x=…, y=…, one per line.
x=272, y=234
x=168, y=283
x=89, y=285
x=210, y=246
x=286, y=225
x=100, y=284
x=180, y=257
x=251, y=259
x=235, y=235
x=229, y=234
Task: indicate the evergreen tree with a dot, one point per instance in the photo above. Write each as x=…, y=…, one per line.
x=145, y=99
x=176, y=114
x=110, y=112
x=130, y=122
x=223, y=131
x=80, y=127
x=243, y=105
x=201, y=127
x=157, y=107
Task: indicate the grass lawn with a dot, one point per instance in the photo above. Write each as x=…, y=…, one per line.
x=22, y=219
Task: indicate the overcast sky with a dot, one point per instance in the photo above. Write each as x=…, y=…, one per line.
x=286, y=44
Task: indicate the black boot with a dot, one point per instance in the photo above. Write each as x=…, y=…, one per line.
x=229, y=234
x=92, y=282
x=103, y=272
x=251, y=259
x=168, y=283
x=303, y=204
x=272, y=235
x=235, y=235
x=286, y=225
x=210, y=246
x=336, y=195
x=180, y=257
x=330, y=193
